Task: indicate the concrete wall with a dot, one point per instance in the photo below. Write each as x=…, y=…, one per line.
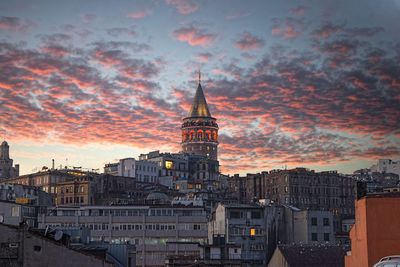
x=375, y=233
x=37, y=251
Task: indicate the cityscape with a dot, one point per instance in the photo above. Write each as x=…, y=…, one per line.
x=200, y=133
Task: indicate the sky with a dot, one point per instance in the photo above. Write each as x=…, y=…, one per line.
x=292, y=83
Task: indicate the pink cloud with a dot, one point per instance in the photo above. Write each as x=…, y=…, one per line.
x=184, y=7
x=288, y=28
x=139, y=14
x=248, y=41
x=194, y=36
x=288, y=32
x=204, y=57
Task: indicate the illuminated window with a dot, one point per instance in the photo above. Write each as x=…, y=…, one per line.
x=252, y=232
x=169, y=164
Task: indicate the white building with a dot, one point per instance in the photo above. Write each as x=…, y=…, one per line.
x=387, y=166
x=142, y=170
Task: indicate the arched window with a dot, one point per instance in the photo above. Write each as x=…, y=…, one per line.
x=200, y=134
x=214, y=137
x=208, y=135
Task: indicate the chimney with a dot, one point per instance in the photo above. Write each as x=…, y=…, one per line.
x=52, y=164
x=16, y=170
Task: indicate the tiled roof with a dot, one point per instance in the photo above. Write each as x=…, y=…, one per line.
x=199, y=106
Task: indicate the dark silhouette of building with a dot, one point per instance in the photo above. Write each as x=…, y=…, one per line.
x=6, y=163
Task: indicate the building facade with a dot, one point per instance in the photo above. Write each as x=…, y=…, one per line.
x=308, y=226
x=150, y=228
x=375, y=233
x=306, y=189
x=387, y=166
x=242, y=225
x=143, y=170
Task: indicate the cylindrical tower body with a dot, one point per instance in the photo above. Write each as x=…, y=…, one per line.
x=200, y=136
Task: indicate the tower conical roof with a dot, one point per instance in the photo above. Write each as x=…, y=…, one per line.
x=199, y=107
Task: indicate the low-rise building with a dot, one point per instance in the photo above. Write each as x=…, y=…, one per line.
x=143, y=170
x=48, y=179
x=148, y=227
x=308, y=255
x=21, y=247
x=15, y=214
x=111, y=168
x=387, y=166
x=243, y=225
x=25, y=194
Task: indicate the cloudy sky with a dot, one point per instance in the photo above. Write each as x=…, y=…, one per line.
x=291, y=83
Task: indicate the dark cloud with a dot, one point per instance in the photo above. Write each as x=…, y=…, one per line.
x=13, y=24
x=248, y=41
x=116, y=32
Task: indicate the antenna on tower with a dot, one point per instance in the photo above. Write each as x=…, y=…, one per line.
x=199, y=76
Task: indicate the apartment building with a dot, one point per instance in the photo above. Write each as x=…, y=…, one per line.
x=242, y=225
x=148, y=227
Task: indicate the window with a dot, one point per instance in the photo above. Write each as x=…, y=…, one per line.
x=235, y=215
x=37, y=248
x=314, y=221
x=256, y=215
x=326, y=221
x=169, y=164
x=326, y=236
x=252, y=231
x=314, y=237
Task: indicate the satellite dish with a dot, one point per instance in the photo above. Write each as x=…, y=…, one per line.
x=58, y=235
x=1, y=218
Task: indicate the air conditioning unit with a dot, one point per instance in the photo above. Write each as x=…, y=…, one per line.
x=13, y=245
